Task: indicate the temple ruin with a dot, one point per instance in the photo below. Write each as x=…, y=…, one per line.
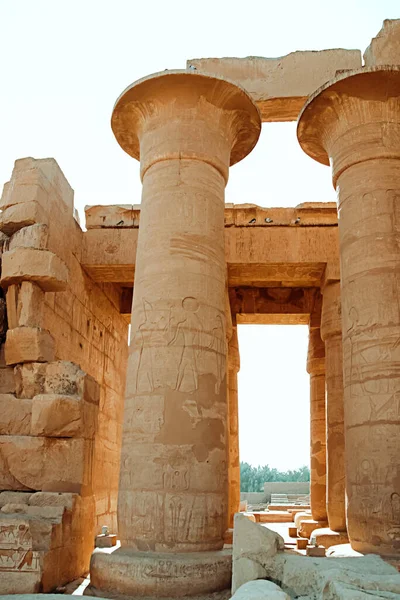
x=143, y=437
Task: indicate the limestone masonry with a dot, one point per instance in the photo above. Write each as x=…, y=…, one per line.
x=142, y=437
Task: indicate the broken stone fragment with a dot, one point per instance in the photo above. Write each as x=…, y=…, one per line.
x=21, y=215
x=251, y=542
x=384, y=49
x=107, y=540
x=260, y=590
x=29, y=344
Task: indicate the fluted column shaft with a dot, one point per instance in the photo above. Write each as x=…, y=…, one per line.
x=233, y=421
x=316, y=370
x=331, y=334
x=353, y=123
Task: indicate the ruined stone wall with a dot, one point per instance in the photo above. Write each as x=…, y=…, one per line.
x=62, y=378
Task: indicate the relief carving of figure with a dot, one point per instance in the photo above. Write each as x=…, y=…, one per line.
x=218, y=344
x=187, y=331
x=150, y=334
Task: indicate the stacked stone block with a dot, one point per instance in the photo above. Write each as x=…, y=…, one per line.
x=61, y=384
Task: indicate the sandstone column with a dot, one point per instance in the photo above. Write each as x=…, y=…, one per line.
x=316, y=369
x=233, y=408
x=187, y=129
x=331, y=333
x=353, y=123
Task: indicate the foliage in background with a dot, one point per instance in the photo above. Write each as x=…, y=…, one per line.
x=252, y=479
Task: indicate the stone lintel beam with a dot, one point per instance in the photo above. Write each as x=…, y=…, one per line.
x=127, y=216
x=258, y=253
x=272, y=301
x=280, y=86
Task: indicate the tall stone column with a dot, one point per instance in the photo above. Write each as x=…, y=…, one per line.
x=187, y=129
x=316, y=370
x=331, y=333
x=353, y=123
x=233, y=410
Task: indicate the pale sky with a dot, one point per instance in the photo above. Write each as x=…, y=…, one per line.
x=64, y=63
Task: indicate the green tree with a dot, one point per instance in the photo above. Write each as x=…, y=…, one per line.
x=252, y=479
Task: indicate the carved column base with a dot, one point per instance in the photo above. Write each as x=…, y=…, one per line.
x=126, y=573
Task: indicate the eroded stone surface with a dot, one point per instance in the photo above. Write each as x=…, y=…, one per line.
x=260, y=590
x=251, y=540
x=384, y=49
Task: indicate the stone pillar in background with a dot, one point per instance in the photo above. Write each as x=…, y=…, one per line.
x=187, y=129
x=331, y=333
x=233, y=412
x=353, y=123
x=316, y=370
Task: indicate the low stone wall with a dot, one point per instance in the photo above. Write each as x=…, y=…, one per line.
x=285, y=487
x=253, y=497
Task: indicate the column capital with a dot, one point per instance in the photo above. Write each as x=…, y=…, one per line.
x=316, y=353
x=353, y=118
x=186, y=115
x=331, y=317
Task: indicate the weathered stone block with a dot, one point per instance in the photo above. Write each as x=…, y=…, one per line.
x=260, y=590
x=30, y=305
x=47, y=173
x=106, y=540
x=62, y=377
x=14, y=498
x=384, y=49
x=25, y=305
x=40, y=266
x=116, y=215
x=29, y=344
x=251, y=543
x=37, y=463
x=7, y=380
x=32, y=236
x=56, y=415
x=45, y=512
x=52, y=499
x=15, y=415
x=13, y=508
x=22, y=192
x=21, y=215
x=306, y=528
x=315, y=551
x=29, y=379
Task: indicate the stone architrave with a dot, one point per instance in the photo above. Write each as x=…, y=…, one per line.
x=353, y=124
x=187, y=129
x=331, y=334
x=233, y=408
x=316, y=370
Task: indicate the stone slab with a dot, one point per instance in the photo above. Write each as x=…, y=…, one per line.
x=280, y=86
